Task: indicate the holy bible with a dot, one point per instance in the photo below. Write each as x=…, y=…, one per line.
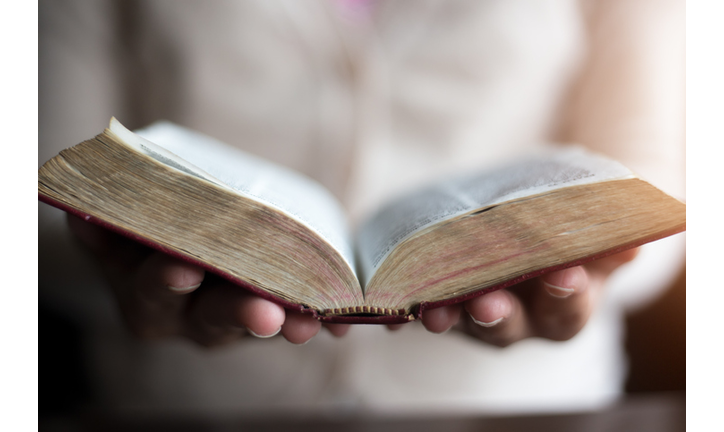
x=285, y=238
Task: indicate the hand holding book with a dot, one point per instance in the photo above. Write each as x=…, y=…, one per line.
x=555, y=306
x=159, y=297
x=427, y=255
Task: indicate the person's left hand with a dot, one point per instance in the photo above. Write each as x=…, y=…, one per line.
x=160, y=296
x=555, y=306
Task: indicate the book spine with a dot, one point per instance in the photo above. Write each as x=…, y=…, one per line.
x=364, y=309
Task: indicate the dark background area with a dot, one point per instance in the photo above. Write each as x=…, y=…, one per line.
x=656, y=343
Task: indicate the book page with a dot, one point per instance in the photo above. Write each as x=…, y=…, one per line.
x=294, y=194
x=409, y=214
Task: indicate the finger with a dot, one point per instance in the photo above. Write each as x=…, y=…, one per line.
x=221, y=313
x=338, y=330
x=440, y=320
x=162, y=277
x=299, y=328
x=210, y=336
x=150, y=299
x=497, y=318
x=562, y=304
x=394, y=327
x=225, y=306
x=605, y=266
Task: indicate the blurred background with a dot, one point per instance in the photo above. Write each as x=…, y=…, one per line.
x=369, y=98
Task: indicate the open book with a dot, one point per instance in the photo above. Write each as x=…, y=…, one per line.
x=285, y=238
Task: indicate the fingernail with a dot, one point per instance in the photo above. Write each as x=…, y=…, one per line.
x=264, y=337
x=183, y=290
x=557, y=291
x=487, y=324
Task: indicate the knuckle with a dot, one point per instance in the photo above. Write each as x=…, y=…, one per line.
x=561, y=337
x=562, y=328
x=495, y=338
x=210, y=337
x=150, y=303
x=500, y=340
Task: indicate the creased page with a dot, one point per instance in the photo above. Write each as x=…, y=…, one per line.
x=403, y=217
x=294, y=194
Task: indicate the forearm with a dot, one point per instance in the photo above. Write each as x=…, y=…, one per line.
x=629, y=103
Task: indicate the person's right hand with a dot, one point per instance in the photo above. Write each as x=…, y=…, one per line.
x=161, y=296
x=555, y=306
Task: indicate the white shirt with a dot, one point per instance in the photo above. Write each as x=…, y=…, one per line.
x=370, y=99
